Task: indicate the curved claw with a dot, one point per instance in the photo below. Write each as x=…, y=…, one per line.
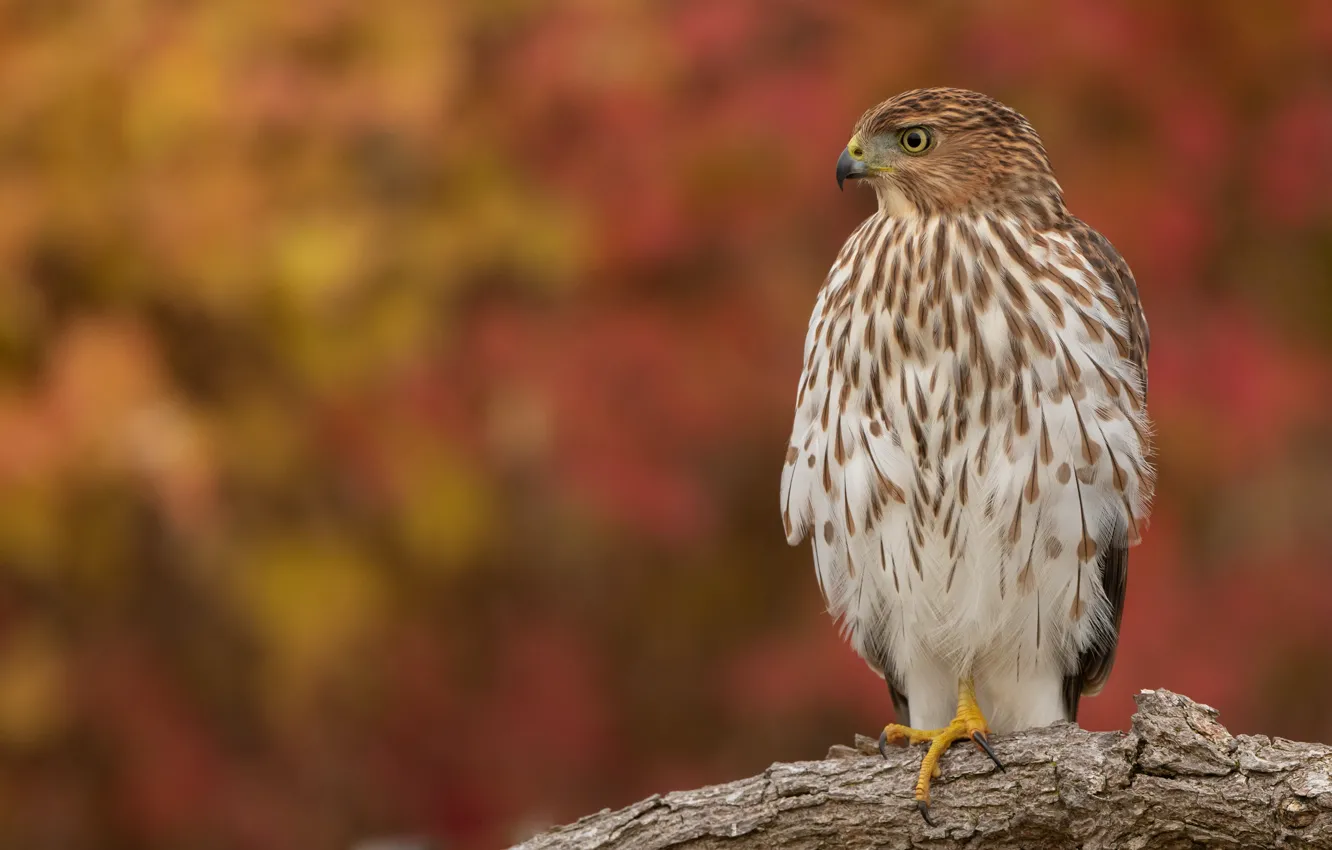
x=883, y=743
x=984, y=743
x=924, y=809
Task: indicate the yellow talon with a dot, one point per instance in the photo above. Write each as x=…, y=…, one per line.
x=894, y=732
x=969, y=723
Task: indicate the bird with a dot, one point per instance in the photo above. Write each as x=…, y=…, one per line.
x=971, y=452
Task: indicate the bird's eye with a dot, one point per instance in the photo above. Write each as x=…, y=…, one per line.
x=915, y=140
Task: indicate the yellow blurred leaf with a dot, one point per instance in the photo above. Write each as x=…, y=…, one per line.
x=33, y=688
x=311, y=599
x=31, y=532
x=446, y=510
x=318, y=258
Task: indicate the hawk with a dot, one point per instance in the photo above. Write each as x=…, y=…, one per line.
x=970, y=449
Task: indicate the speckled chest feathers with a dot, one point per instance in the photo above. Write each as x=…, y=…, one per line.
x=969, y=455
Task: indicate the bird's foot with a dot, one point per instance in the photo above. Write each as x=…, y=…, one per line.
x=969, y=723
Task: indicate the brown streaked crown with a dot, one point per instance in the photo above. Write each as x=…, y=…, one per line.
x=984, y=155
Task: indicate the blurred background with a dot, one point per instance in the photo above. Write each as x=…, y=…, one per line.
x=393, y=395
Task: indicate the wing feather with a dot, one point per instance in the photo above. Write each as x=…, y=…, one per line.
x=1094, y=662
x=1112, y=268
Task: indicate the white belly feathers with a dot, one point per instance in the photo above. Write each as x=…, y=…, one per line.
x=968, y=434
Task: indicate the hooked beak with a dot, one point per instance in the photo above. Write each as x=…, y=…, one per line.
x=848, y=168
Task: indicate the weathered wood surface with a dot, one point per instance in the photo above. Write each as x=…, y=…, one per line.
x=1178, y=779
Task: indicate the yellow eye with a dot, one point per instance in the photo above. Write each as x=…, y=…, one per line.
x=915, y=140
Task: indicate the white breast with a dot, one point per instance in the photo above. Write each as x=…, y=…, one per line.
x=967, y=435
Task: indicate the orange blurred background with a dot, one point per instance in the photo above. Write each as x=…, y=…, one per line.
x=394, y=394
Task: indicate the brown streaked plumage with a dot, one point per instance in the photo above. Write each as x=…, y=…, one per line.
x=974, y=391
x=989, y=158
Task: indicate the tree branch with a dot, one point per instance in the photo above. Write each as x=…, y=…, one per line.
x=1178, y=779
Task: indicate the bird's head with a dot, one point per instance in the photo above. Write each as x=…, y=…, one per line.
x=940, y=150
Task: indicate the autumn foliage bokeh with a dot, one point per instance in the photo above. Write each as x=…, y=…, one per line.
x=394, y=394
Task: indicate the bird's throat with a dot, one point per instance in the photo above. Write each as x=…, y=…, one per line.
x=893, y=202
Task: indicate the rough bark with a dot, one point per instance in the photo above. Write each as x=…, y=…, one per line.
x=1178, y=779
